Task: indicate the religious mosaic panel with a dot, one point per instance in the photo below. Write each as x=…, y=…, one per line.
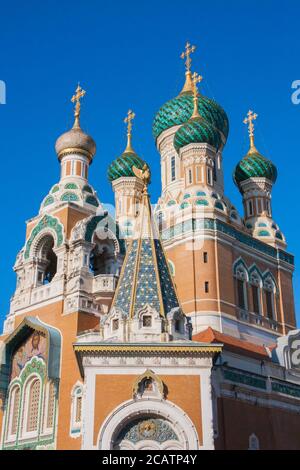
x=34, y=346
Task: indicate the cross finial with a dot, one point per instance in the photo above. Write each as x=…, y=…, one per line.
x=128, y=120
x=196, y=79
x=251, y=116
x=79, y=94
x=187, y=55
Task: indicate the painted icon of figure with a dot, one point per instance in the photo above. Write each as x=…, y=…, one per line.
x=37, y=346
x=148, y=385
x=19, y=361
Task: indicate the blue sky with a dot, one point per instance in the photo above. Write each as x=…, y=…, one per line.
x=126, y=55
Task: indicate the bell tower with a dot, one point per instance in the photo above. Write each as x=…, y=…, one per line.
x=126, y=186
x=255, y=176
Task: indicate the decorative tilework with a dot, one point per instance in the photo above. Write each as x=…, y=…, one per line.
x=69, y=197
x=291, y=390
x=254, y=165
x=167, y=288
x=71, y=186
x=201, y=202
x=264, y=233
x=157, y=430
x=197, y=130
x=49, y=200
x=146, y=282
x=145, y=277
x=179, y=110
x=245, y=379
x=46, y=222
x=219, y=226
x=122, y=166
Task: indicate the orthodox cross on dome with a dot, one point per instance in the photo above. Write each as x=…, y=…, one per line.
x=251, y=116
x=79, y=94
x=196, y=79
x=187, y=55
x=128, y=120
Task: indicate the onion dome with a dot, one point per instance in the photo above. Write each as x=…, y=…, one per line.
x=122, y=166
x=197, y=129
x=254, y=165
x=75, y=140
x=178, y=110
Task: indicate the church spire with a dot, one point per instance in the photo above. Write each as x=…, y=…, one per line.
x=188, y=86
x=145, y=279
x=249, y=120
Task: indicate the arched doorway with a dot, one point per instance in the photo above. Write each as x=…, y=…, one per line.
x=148, y=424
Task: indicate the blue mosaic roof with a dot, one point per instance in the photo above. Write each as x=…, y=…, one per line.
x=145, y=278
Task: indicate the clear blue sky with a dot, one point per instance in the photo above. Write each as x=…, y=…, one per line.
x=126, y=55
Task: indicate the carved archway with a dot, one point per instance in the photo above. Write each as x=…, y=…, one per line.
x=141, y=412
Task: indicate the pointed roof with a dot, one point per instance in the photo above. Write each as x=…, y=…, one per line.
x=145, y=277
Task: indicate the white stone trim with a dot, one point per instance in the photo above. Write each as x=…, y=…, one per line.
x=184, y=427
x=76, y=427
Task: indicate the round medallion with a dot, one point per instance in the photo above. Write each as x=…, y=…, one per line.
x=147, y=428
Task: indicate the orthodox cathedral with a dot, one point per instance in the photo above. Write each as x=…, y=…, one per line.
x=164, y=327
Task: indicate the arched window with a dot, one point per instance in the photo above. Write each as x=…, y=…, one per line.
x=241, y=275
x=47, y=260
x=13, y=412
x=269, y=293
x=255, y=281
x=160, y=218
x=76, y=410
x=173, y=169
x=250, y=208
x=31, y=407
x=49, y=407
x=102, y=257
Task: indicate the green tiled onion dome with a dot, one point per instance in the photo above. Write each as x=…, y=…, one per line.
x=197, y=130
x=122, y=166
x=254, y=165
x=179, y=110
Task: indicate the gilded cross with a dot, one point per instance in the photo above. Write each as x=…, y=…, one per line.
x=249, y=120
x=187, y=55
x=128, y=120
x=196, y=79
x=76, y=98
